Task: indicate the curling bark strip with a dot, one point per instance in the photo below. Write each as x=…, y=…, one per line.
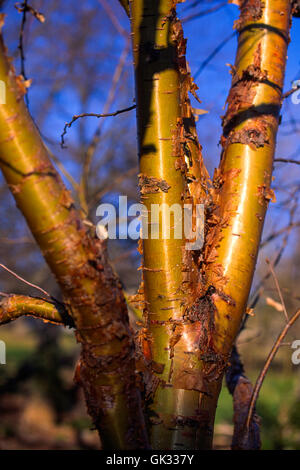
x=242, y=182
x=91, y=290
x=167, y=144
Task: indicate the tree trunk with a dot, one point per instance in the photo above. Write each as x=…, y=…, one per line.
x=78, y=260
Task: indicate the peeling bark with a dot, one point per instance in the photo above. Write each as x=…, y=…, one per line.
x=91, y=290
x=15, y=306
x=169, y=154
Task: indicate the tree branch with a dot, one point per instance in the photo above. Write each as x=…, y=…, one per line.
x=79, y=261
x=79, y=116
x=242, y=187
x=14, y=306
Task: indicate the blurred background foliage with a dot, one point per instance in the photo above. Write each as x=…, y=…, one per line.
x=80, y=61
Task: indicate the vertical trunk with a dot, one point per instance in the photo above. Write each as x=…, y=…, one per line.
x=242, y=183
x=190, y=328
x=171, y=174
x=79, y=261
x=241, y=190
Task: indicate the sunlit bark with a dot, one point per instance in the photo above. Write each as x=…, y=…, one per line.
x=189, y=330
x=16, y=306
x=79, y=262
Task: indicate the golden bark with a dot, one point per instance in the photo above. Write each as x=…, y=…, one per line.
x=92, y=292
x=15, y=306
x=190, y=329
x=242, y=183
x=167, y=143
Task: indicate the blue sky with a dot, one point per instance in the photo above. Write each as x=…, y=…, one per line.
x=45, y=62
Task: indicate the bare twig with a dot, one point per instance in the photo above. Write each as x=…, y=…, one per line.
x=213, y=9
x=16, y=241
x=63, y=170
x=79, y=116
x=290, y=92
x=113, y=18
x=213, y=54
x=264, y=370
x=274, y=235
x=287, y=160
x=259, y=290
x=24, y=8
x=24, y=280
x=116, y=182
x=278, y=289
x=88, y=157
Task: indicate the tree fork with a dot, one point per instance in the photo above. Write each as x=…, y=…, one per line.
x=92, y=292
x=242, y=182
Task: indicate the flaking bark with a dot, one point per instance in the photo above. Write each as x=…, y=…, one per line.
x=172, y=172
x=91, y=290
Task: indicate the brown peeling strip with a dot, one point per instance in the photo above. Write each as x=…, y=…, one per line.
x=150, y=185
x=176, y=334
x=265, y=194
x=153, y=270
x=255, y=137
x=251, y=10
x=157, y=367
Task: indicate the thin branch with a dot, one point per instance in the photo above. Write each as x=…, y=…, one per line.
x=14, y=306
x=213, y=54
x=26, y=282
x=83, y=196
x=116, y=182
x=264, y=370
x=113, y=18
x=16, y=241
x=278, y=289
x=274, y=235
x=194, y=16
x=63, y=170
x=259, y=290
x=79, y=116
x=290, y=92
x=125, y=5
x=24, y=10
x=287, y=160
